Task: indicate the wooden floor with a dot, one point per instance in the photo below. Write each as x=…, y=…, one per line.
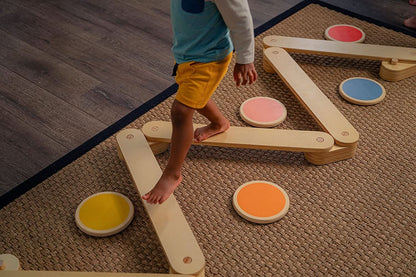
x=71, y=68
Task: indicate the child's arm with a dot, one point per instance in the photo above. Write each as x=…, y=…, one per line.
x=237, y=16
x=244, y=73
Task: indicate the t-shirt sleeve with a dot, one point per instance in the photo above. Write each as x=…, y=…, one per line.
x=237, y=16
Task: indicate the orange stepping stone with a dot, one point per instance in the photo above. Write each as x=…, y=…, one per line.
x=261, y=202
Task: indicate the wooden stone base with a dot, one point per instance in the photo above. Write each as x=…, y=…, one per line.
x=337, y=153
x=396, y=72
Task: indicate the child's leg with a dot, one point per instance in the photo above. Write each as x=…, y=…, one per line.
x=410, y=22
x=218, y=123
x=182, y=134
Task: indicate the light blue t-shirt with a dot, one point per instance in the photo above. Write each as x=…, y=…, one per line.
x=199, y=36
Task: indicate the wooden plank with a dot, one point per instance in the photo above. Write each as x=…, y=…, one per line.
x=253, y=138
x=43, y=69
x=134, y=19
x=175, y=235
x=158, y=7
x=105, y=25
x=101, y=101
x=47, y=113
x=312, y=98
x=24, y=150
x=140, y=34
x=262, y=11
x=341, y=49
x=64, y=21
x=387, y=11
x=82, y=274
x=105, y=65
x=63, y=80
x=10, y=175
x=5, y=8
x=137, y=22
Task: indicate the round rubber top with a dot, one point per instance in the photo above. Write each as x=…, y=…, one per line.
x=104, y=214
x=263, y=112
x=261, y=201
x=10, y=262
x=344, y=33
x=362, y=91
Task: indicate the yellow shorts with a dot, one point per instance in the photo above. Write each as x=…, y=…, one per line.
x=198, y=81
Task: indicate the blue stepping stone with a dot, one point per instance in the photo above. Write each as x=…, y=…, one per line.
x=362, y=91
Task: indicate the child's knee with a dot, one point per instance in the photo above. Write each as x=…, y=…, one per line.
x=181, y=113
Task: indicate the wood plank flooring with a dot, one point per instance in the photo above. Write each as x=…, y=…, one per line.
x=71, y=68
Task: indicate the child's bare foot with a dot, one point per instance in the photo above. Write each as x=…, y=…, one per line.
x=210, y=130
x=163, y=189
x=410, y=22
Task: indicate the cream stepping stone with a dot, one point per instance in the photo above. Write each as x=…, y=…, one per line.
x=250, y=137
x=175, y=235
x=8, y=263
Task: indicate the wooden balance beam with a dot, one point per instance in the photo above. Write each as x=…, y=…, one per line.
x=317, y=104
x=253, y=138
x=312, y=98
x=175, y=235
x=397, y=62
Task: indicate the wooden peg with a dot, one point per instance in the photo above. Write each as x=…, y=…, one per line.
x=396, y=72
x=394, y=61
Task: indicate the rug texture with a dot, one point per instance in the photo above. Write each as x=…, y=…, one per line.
x=354, y=217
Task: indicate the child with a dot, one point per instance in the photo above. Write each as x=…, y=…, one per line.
x=202, y=48
x=411, y=21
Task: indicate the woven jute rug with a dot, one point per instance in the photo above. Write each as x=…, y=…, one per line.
x=353, y=217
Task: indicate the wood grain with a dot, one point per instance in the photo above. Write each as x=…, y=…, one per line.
x=252, y=138
x=174, y=233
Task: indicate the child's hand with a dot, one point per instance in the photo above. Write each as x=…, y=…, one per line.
x=244, y=73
